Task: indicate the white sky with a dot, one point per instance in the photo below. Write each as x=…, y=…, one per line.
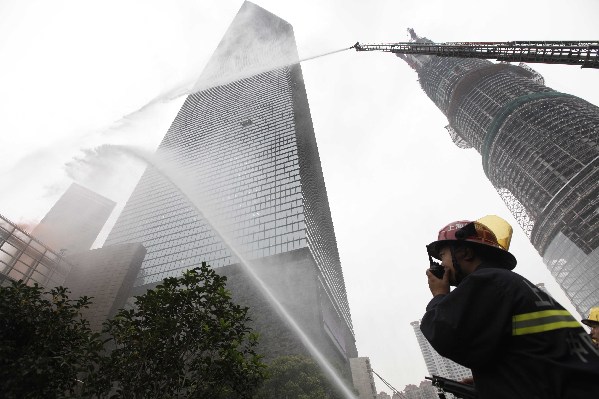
x=69, y=70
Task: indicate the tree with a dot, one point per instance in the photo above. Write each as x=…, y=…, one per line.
x=185, y=338
x=296, y=377
x=45, y=345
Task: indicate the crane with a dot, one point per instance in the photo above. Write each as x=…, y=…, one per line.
x=583, y=53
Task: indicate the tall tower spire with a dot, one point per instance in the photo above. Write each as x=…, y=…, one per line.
x=415, y=61
x=539, y=148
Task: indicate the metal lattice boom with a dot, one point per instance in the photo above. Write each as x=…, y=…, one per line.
x=583, y=53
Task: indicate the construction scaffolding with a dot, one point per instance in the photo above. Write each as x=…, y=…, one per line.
x=583, y=53
x=539, y=147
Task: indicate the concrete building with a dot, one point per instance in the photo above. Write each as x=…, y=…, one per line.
x=23, y=257
x=437, y=364
x=539, y=148
x=107, y=275
x=74, y=222
x=362, y=377
x=241, y=156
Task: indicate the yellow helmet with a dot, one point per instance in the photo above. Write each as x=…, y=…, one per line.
x=593, y=320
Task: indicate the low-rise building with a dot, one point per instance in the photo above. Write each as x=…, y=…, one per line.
x=362, y=377
x=22, y=257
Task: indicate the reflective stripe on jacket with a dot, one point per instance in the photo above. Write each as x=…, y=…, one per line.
x=517, y=340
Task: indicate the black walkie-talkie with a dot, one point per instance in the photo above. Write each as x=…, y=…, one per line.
x=436, y=268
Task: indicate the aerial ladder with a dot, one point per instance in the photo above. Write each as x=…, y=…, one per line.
x=583, y=53
x=395, y=391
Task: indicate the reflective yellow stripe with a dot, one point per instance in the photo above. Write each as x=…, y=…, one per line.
x=543, y=313
x=546, y=320
x=545, y=327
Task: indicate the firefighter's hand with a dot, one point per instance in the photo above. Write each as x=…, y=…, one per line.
x=468, y=381
x=438, y=286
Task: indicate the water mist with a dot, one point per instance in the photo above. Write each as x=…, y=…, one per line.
x=204, y=83
x=190, y=192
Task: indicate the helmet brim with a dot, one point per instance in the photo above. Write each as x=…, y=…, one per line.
x=504, y=259
x=590, y=323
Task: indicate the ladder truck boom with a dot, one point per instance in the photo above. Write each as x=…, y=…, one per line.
x=583, y=53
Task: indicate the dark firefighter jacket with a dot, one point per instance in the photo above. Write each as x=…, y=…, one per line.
x=518, y=342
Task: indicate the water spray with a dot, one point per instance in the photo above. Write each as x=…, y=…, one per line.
x=191, y=196
x=204, y=85
x=323, y=55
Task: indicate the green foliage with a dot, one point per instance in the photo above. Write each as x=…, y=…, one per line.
x=183, y=339
x=45, y=345
x=296, y=377
x=186, y=339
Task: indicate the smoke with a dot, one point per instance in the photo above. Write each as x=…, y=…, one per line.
x=165, y=163
x=27, y=225
x=250, y=47
x=255, y=42
x=71, y=149
x=93, y=165
x=108, y=172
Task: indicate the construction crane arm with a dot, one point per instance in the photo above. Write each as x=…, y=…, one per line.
x=583, y=53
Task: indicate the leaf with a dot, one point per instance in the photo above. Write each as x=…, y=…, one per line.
x=185, y=335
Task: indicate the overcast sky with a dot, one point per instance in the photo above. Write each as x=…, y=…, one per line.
x=71, y=70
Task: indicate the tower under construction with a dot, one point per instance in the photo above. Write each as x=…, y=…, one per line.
x=539, y=149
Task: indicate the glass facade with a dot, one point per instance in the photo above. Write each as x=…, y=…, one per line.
x=575, y=271
x=246, y=167
x=539, y=148
x=246, y=150
x=22, y=257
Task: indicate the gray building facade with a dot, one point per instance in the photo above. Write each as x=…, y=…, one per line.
x=246, y=149
x=362, y=377
x=539, y=149
x=74, y=221
x=107, y=275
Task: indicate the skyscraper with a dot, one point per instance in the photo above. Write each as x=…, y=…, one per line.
x=246, y=143
x=437, y=364
x=74, y=222
x=539, y=148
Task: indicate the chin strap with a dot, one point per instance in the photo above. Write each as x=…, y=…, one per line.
x=459, y=276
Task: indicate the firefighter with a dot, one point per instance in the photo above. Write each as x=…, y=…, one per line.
x=517, y=340
x=593, y=322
